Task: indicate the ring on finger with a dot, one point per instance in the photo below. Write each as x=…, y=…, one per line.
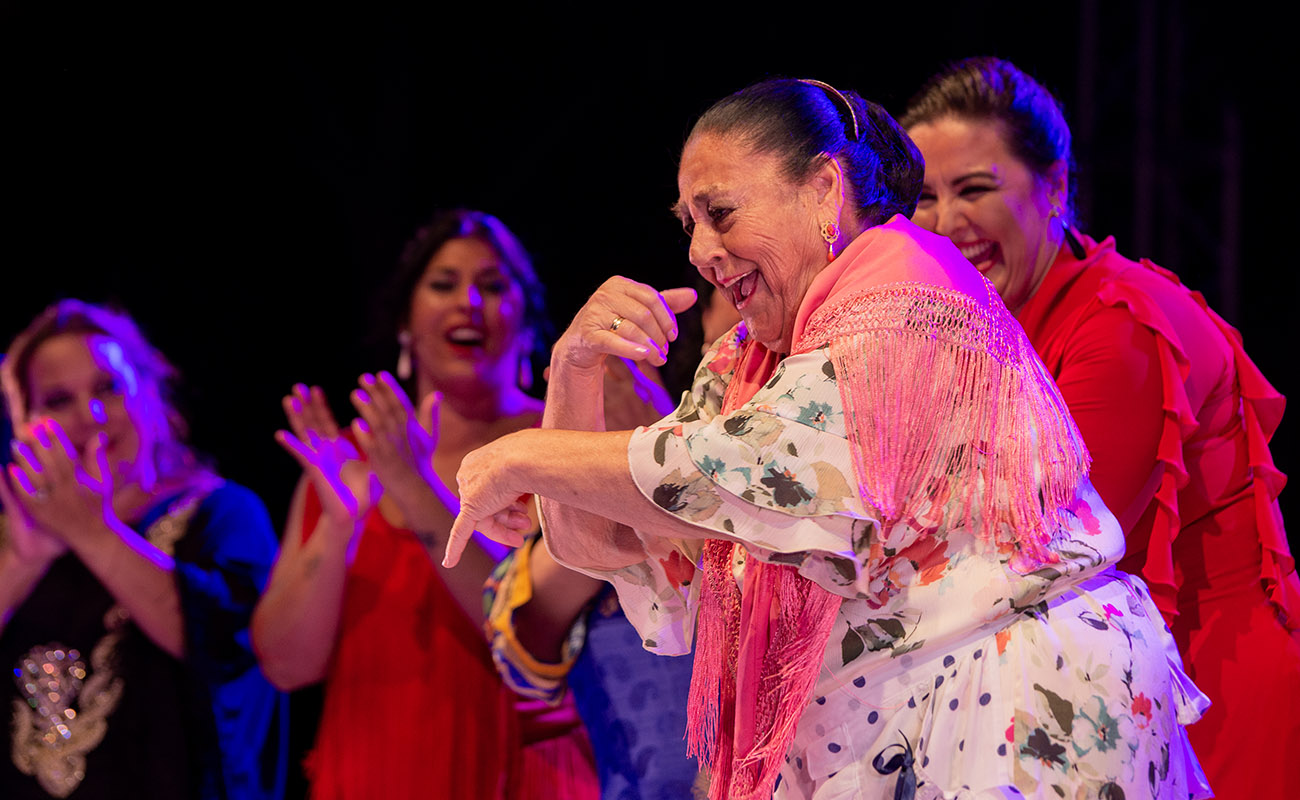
x=613, y=326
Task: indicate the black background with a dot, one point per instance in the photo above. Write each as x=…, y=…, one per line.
x=242, y=180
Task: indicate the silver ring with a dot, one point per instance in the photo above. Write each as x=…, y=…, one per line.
x=613, y=326
x=40, y=495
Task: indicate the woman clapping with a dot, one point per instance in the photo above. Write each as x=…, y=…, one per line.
x=413, y=706
x=128, y=572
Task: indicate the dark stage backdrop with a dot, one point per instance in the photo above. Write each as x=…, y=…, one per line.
x=242, y=181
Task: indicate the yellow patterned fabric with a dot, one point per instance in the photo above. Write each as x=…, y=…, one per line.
x=510, y=587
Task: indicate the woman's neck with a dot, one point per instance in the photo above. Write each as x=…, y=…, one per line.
x=1050, y=254
x=469, y=419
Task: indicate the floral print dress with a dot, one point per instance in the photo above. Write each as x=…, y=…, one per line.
x=948, y=673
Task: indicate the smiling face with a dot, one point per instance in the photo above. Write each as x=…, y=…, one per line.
x=88, y=385
x=989, y=203
x=754, y=234
x=466, y=319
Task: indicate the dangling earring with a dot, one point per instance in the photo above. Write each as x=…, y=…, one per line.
x=525, y=372
x=526, y=365
x=831, y=233
x=404, y=356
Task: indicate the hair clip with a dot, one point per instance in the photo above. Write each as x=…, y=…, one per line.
x=853, y=116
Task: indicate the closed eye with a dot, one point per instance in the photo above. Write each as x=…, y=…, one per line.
x=495, y=285
x=977, y=190
x=55, y=401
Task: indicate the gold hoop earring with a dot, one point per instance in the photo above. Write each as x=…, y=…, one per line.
x=831, y=233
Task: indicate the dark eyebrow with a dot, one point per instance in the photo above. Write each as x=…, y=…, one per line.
x=977, y=174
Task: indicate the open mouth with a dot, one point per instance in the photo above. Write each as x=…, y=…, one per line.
x=981, y=254
x=466, y=336
x=741, y=288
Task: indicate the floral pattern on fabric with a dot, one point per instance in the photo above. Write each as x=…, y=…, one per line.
x=1063, y=679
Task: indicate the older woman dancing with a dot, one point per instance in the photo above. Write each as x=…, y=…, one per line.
x=1176, y=415
x=873, y=500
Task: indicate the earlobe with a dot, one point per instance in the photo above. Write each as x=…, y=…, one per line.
x=1058, y=182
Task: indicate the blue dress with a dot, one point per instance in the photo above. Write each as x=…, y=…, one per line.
x=632, y=701
x=141, y=723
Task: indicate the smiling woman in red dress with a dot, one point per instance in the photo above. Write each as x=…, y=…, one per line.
x=1174, y=412
x=413, y=705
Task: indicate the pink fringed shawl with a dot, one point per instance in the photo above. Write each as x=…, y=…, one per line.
x=938, y=383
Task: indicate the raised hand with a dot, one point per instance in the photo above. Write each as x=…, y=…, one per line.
x=61, y=496
x=345, y=494
x=346, y=485
x=23, y=536
x=397, y=441
x=306, y=409
x=624, y=319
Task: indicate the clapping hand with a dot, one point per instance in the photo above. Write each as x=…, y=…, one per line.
x=23, y=536
x=398, y=441
x=345, y=484
x=53, y=497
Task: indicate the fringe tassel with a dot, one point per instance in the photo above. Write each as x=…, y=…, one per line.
x=953, y=399
x=713, y=676
x=945, y=403
x=790, y=671
x=791, y=659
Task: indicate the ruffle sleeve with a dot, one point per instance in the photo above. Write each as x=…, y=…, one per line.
x=1262, y=408
x=775, y=475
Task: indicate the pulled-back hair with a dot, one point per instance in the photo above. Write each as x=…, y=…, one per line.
x=988, y=88
x=806, y=122
x=152, y=369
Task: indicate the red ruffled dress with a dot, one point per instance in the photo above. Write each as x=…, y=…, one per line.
x=413, y=705
x=1178, y=420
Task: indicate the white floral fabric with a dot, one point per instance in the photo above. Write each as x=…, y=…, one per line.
x=947, y=670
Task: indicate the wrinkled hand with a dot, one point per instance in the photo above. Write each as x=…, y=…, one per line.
x=398, y=441
x=487, y=503
x=646, y=324
x=634, y=395
x=345, y=484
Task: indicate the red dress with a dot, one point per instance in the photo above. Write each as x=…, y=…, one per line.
x=1178, y=420
x=413, y=705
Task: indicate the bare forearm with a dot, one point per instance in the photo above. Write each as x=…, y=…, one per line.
x=559, y=595
x=296, y=622
x=140, y=577
x=589, y=472
x=575, y=402
x=17, y=579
